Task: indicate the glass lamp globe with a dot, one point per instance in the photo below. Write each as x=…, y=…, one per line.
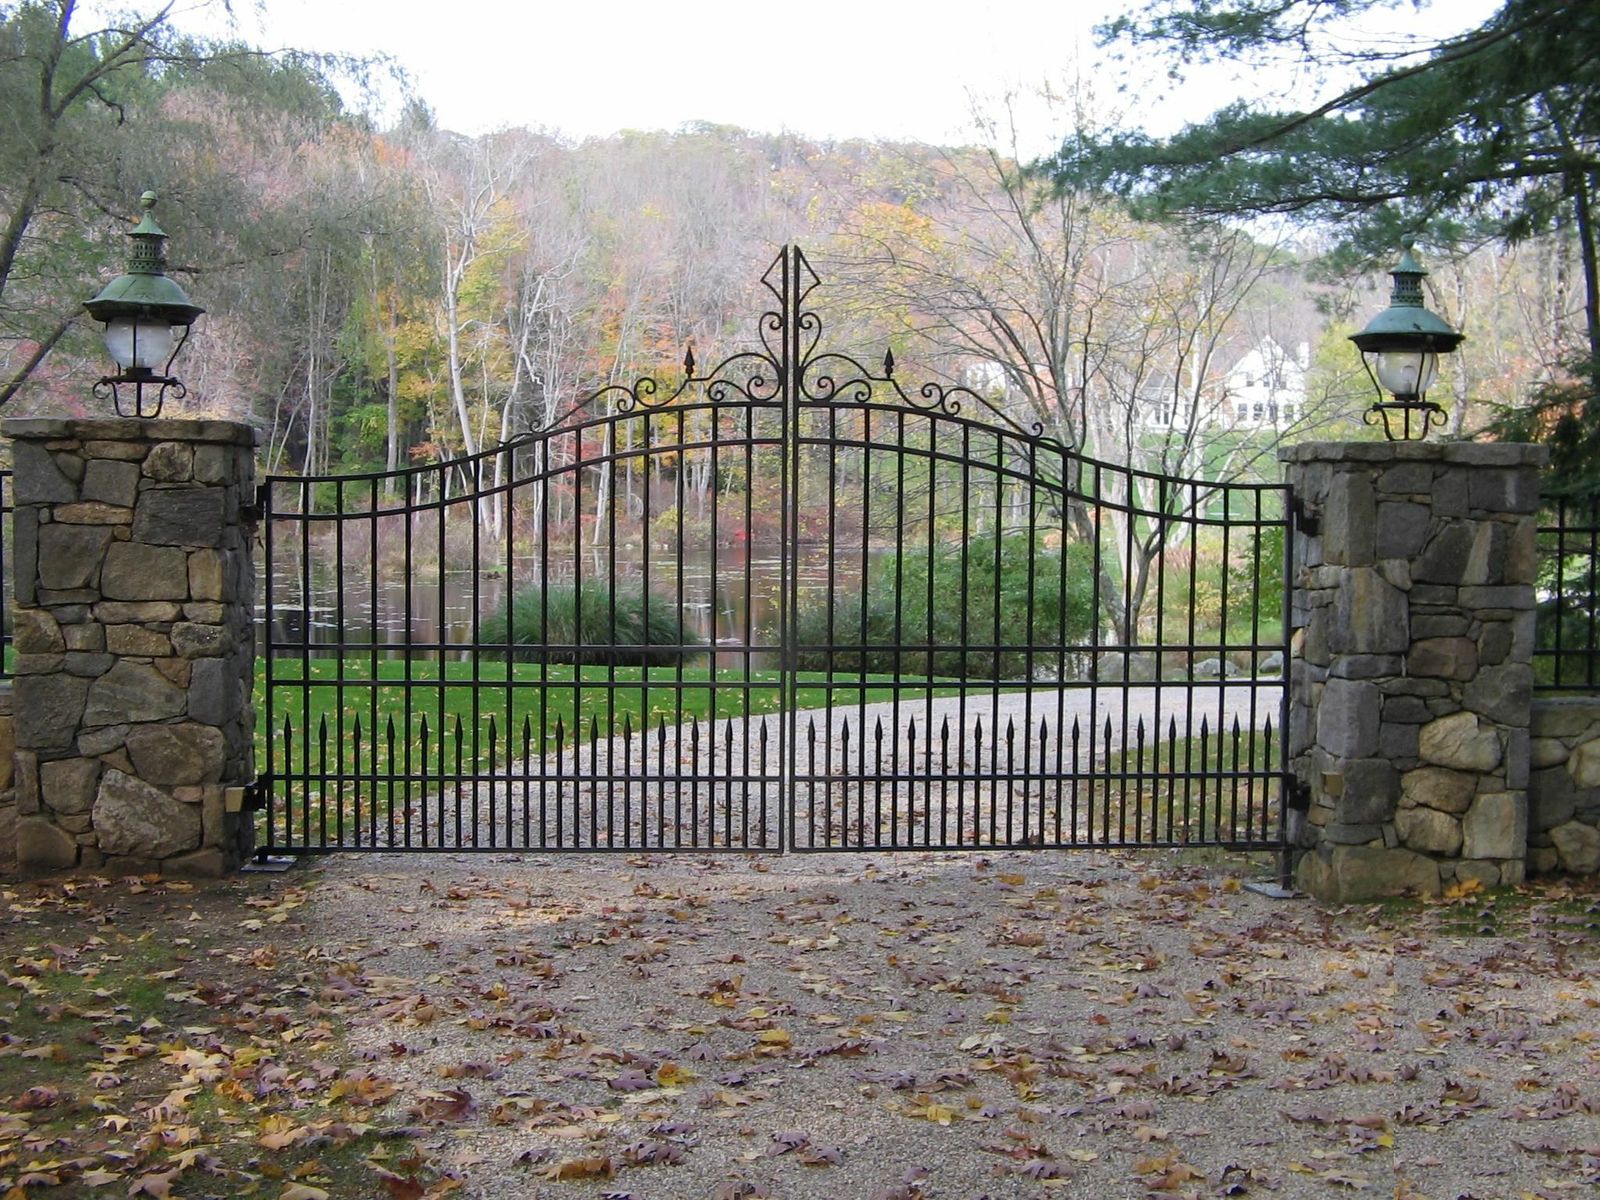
x=1407, y=372
x=135, y=343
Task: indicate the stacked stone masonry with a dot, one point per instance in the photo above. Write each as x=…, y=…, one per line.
x=1564, y=787
x=134, y=644
x=1411, y=684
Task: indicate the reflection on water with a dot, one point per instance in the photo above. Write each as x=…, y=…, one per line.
x=729, y=597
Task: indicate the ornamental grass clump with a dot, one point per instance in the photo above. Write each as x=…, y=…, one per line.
x=591, y=624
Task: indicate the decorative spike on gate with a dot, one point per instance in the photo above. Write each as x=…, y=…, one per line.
x=688, y=360
x=888, y=364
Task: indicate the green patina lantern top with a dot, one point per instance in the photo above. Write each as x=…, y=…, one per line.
x=145, y=290
x=1408, y=324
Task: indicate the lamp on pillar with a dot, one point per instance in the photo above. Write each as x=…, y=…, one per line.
x=1400, y=348
x=147, y=319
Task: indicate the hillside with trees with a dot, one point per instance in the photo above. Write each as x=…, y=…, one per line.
x=383, y=296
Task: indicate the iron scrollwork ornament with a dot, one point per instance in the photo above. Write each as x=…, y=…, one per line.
x=790, y=366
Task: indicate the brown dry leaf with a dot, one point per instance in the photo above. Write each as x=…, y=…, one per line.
x=453, y=1104
x=599, y=1166
x=401, y=1187
x=156, y=1183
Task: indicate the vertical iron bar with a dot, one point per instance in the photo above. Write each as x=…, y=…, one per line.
x=996, y=661
x=1285, y=850
x=789, y=369
x=527, y=782
x=1195, y=528
x=863, y=634
x=899, y=628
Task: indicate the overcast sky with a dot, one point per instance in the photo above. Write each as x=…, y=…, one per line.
x=826, y=68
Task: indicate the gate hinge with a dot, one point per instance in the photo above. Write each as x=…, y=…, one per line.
x=1306, y=520
x=252, y=796
x=252, y=513
x=1296, y=794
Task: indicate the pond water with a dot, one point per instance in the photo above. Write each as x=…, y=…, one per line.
x=730, y=598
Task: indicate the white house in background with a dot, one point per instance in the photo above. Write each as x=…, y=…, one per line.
x=1267, y=386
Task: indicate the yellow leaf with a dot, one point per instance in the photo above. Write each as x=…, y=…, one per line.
x=1013, y=880
x=278, y=1131
x=670, y=1074
x=774, y=1037
x=301, y=1191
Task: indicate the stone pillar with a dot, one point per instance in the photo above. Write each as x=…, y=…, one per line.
x=8, y=790
x=134, y=639
x=1411, y=685
x=1564, y=786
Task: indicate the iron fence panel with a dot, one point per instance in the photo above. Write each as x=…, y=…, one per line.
x=783, y=604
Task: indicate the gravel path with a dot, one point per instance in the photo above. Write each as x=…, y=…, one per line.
x=896, y=787
x=966, y=1025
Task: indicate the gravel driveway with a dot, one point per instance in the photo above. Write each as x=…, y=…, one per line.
x=958, y=1026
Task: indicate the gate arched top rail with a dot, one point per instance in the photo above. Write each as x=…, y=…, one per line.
x=791, y=372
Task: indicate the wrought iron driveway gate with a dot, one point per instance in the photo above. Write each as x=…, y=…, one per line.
x=785, y=604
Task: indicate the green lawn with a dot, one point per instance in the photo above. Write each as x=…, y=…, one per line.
x=591, y=699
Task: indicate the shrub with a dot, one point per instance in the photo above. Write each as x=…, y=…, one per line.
x=594, y=624
x=900, y=635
